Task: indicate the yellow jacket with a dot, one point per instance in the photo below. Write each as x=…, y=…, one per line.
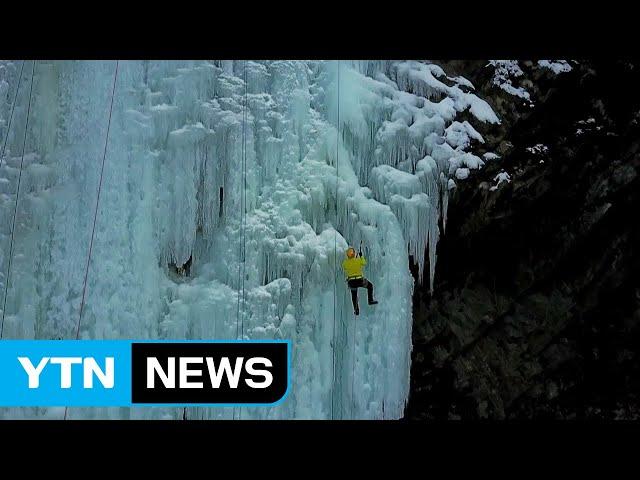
x=353, y=267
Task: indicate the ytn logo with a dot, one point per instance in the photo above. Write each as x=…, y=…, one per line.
x=90, y=368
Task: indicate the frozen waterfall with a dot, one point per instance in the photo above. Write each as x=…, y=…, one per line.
x=336, y=153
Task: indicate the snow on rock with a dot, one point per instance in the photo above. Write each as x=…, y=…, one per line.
x=504, y=75
x=462, y=173
x=463, y=81
x=421, y=79
x=538, y=149
x=468, y=160
x=460, y=135
x=502, y=177
x=588, y=121
x=386, y=181
x=587, y=125
x=556, y=66
x=265, y=240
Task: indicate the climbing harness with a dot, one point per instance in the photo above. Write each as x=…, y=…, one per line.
x=95, y=214
x=15, y=209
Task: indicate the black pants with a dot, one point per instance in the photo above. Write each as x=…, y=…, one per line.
x=360, y=283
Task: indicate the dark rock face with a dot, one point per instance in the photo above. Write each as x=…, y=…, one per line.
x=536, y=308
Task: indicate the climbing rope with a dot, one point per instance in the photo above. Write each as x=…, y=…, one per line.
x=15, y=209
x=243, y=198
x=353, y=359
x=244, y=195
x=243, y=219
x=13, y=106
x=353, y=368
x=4, y=146
x=95, y=215
x=335, y=250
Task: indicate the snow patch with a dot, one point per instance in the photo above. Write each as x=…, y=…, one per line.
x=538, y=149
x=556, y=66
x=504, y=74
x=502, y=177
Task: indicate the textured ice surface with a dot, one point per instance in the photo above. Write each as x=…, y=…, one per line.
x=336, y=153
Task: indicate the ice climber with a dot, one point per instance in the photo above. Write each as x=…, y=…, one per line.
x=352, y=266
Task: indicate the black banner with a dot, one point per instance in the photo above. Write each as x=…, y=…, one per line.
x=209, y=373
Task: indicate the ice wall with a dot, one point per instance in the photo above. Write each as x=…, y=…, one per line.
x=262, y=173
